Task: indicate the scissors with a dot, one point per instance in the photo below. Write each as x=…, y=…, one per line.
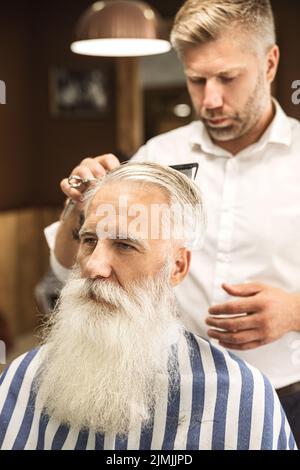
x=76, y=182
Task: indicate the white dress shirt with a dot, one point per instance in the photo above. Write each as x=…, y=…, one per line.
x=253, y=226
x=252, y=202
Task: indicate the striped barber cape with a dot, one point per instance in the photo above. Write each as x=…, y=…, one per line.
x=220, y=403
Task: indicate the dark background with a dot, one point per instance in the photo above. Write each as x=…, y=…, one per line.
x=38, y=150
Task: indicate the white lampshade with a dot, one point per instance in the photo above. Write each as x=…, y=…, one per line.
x=120, y=28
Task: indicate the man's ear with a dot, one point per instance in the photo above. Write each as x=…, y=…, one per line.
x=181, y=266
x=272, y=63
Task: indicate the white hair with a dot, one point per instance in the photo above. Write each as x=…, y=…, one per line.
x=182, y=194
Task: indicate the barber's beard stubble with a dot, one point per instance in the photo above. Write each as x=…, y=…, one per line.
x=107, y=353
x=245, y=119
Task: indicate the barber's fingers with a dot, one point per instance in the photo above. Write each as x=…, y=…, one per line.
x=84, y=172
x=95, y=168
x=89, y=168
x=247, y=322
x=236, y=307
x=244, y=290
x=73, y=193
x=109, y=161
x=99, y=166
x=242, y=347
x=236, y=339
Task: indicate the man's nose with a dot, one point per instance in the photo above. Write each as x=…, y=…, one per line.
x=98, y=263
x=213, y=95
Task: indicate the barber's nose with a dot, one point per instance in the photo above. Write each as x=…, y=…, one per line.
x=213, y=96
x=98, y=263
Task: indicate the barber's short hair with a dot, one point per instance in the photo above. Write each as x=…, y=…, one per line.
x=180, y=192
x=201, y=21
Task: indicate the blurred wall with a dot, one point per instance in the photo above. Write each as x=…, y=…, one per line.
x=36, y=149
x=287, y=16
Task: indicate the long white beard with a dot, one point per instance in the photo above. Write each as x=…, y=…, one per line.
x=102, y=359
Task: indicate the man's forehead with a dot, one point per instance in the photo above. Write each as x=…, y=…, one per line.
x=203, y=71
x=113, y=220
x=126, y=193
x=121, y=218
x=133, y=221
x=197, y=62
x=217, y=56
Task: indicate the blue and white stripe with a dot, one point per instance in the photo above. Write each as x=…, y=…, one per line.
x=220, y=403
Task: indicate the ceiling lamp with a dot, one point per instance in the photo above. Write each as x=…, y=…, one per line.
x=120, y=28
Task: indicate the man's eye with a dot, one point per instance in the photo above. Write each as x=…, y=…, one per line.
x=197, y=81
x=125, y=246
x=226, y=79
x=89, y=241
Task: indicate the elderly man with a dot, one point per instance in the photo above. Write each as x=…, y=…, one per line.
x=118, y=370
x=248, y=154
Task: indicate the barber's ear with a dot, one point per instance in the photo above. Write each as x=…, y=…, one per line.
x=181, y=266
x=272, y=64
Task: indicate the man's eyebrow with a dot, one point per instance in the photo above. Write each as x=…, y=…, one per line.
x=87, y=233
x=121, y=236
x=194, y=74
x=132, y=239
x=227, y=71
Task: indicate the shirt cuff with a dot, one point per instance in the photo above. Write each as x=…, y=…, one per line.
x=58, y=269
x=50, y=233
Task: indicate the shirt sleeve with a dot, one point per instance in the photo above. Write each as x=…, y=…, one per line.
x=60, y=272
x=140, y=155
x=50, y=233
x=58, y=269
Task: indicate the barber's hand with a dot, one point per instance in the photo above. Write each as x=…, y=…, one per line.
x=89, y=168
x=272, y=313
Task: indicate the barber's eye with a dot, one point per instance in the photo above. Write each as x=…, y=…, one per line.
x=197, y=81
x=227, y=79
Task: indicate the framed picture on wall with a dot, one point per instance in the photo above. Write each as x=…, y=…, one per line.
x=80, y=94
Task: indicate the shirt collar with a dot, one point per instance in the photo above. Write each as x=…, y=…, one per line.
x=278, y=132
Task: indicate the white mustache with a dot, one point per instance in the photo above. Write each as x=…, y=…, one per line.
x=103, y=290
x=107, y=297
